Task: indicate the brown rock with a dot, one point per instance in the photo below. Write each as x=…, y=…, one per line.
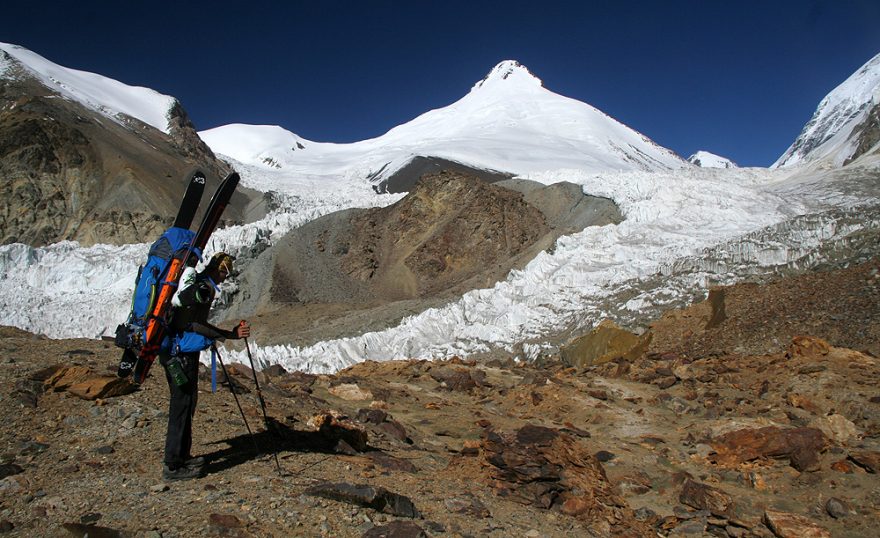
x=599, y=394
x=842, y=466
x=716, y=301
x=800, y=445
x=665, y=382
x=372, y=416
x=808, y=347
x=575, y=506
x=867, y=459
x=67, y=376
x=703, y=497
x=470, y=447
x=454, y=379
x=542, y=467
x=796, y=400
x=334, y=428
x=390, y=462
x=785, y=525
x=605, y=343
x=350, y=391
x=364, y=495
x=226, y=521
x=395, y=430
x=274, y=370
x=467, y=505
x=396, y=529
x=101, y=387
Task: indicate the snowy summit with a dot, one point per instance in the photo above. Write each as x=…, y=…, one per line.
x=834, y=132
x=507, y=122
x=107, y=96
x=704, y=159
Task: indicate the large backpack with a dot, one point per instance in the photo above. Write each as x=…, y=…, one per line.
x=174, y=243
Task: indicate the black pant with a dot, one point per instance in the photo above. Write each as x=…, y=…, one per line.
x=181, y=408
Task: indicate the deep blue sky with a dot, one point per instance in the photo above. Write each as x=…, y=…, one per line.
x=737, y=78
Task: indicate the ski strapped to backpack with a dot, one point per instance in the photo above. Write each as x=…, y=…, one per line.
x=142, y=336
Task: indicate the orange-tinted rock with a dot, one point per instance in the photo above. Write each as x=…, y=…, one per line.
x=796, y=400
x=808, y=347
x=83, y=382
x=800, y=445
x=226, y=521
x=101, y=387
x=842, y=466
x=67, y=376
x=338, y=428
x=604, y=343
x=548, y=469
x=785, y=525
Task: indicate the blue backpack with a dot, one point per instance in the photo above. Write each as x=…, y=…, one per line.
x=175, y=242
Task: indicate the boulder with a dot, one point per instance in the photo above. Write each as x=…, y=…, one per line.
x=604, y=343
x=102, y=387
x=800, y=445
x=334, y=428
x=866, y=459
x=808, y=347
x=85, y=383
x=377, y=498
x=546, y=468
x=785, y=525
x=703, y=497
x=350, y=392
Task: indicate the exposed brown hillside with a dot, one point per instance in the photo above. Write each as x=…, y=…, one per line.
x=354, y=270
x=67, y=172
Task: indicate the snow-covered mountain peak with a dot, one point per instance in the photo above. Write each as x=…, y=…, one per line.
x=508, y=122
x=834, y=132
x=107, y=96
x=705, y=159
x=509, y=73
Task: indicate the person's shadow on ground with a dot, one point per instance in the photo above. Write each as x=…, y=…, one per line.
x=276, y=438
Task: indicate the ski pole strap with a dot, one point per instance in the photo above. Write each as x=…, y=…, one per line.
x=213, y=284
x=213, y=369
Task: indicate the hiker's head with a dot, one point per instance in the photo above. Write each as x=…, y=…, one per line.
x=220, y=266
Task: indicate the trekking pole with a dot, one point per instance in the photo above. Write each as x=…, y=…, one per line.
x=266, y=421
x=234, y=395
x=256, y=382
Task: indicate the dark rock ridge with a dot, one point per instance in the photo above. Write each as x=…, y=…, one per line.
x=69, y=172
x=452, y=233
x=868, y=135
x=406, y=178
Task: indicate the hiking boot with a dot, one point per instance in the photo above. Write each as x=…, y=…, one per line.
x=196, y=462
x=182, y=473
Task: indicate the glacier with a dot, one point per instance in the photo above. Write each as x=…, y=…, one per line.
x=685, y=230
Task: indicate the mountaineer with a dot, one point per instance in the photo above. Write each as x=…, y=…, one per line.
x=189, y=334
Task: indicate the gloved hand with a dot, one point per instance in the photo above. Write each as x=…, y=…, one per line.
x=242, y=330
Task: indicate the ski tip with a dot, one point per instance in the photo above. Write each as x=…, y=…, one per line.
x=196, y=176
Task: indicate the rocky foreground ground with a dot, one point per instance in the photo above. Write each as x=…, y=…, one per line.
x=762, y=422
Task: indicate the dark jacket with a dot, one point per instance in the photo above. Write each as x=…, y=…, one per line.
x=195, y=307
